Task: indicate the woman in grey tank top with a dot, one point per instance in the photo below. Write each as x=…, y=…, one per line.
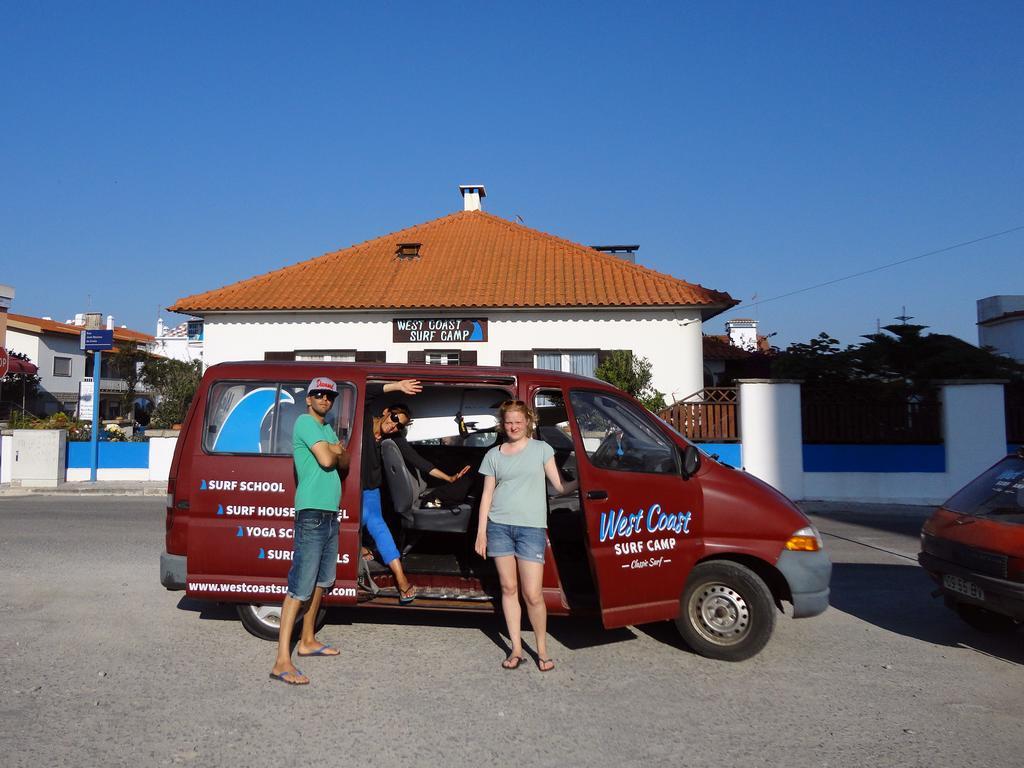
x=513, y=521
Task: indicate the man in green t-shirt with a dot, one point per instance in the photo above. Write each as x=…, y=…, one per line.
x=318, y=456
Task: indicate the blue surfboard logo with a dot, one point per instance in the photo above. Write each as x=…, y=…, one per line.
x=240, y=432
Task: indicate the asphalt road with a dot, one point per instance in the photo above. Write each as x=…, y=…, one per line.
x=102, y=667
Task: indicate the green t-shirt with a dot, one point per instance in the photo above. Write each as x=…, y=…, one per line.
x=318, y=488
x=521, y=494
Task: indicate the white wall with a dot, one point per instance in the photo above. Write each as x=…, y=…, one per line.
x=25, y=343
x=6, y=457
x=670, y=339
x=1006, y=336
x=974, y=435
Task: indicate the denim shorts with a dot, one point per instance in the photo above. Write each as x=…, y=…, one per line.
x=522, y=541
x=314, y=553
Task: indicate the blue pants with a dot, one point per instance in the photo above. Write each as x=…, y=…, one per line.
x=373, y=520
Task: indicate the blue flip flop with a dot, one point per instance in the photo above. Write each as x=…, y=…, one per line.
x=282, y=678
x=404, y=598
x=322, y=651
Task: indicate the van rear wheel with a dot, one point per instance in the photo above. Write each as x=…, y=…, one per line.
x=726, y=611
x=264, y=621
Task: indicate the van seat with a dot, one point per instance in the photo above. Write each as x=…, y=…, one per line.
x=405, y=495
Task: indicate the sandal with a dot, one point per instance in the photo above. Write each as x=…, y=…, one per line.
x=366, y=554
x=542, y=662
x=512, y=662
x=407, y=595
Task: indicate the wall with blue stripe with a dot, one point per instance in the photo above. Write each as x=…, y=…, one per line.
x=112, y=455
x=874, y=458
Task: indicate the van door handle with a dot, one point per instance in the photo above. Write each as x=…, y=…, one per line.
x=597, y=495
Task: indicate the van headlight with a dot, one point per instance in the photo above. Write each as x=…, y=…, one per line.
x=805, y=540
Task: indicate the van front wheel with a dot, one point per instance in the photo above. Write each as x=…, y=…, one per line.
x=264, y=621
x=726, y=611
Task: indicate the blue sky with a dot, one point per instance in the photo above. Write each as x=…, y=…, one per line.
x=154, y=150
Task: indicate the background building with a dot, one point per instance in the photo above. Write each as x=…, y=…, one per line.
x=55, y=348
x=1001, y=325
x=469, y=288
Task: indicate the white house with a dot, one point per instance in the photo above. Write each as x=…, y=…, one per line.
x=1001, y=325
x=55, y=348
x=182, y=342
x=469, y=288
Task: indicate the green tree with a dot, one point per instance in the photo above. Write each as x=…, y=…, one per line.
x=897, y=356
x=174, y=383
x=126, y=363
x=631, y=373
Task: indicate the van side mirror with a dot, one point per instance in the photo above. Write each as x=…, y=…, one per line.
x=691, y=461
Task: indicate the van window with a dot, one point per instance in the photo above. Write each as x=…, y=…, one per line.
x=453, y=416
x=618, y=435
x=258, y=417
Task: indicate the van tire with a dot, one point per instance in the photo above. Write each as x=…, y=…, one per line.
x=726, y=612
x=264, y=621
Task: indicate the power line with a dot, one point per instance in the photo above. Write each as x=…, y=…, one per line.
x=881, y=267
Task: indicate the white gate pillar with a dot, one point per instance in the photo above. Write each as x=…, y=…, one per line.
x=771, y=433
x=973, y=428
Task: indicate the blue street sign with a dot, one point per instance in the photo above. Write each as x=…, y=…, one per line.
x=98, y=340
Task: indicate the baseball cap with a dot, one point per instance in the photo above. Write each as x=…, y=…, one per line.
x=322, y=384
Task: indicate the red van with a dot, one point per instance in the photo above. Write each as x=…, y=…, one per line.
x=657, y=530
x=973, y=547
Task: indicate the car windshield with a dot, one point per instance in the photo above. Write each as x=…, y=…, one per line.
x=998, y=492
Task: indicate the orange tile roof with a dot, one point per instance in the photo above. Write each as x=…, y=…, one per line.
x=467, y=259
x=42, y=325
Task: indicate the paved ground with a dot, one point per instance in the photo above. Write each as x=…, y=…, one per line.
x=101, y=667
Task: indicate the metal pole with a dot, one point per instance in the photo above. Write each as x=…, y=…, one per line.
x=94, y=448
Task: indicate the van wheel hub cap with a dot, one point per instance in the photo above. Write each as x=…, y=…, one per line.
x=719, y=613
x=268, y=614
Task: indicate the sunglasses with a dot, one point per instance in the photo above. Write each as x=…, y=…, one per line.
x=395, y=417
x=319, y=395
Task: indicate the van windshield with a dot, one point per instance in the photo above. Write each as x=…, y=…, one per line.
x=998, y=492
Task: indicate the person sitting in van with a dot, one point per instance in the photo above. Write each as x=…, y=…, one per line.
x=388, y=424
x=456, y=487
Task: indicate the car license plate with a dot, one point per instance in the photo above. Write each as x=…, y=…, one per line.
x=964, y=587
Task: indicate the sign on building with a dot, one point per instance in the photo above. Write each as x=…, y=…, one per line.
x=438, y=330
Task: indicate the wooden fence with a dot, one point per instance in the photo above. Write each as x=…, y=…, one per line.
x=708, y=416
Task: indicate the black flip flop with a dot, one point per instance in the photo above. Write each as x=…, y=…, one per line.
x=518, y=663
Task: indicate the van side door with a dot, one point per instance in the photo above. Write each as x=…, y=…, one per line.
x=242, y=512
x=643, y=520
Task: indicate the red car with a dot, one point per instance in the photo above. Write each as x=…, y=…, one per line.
x=973, y=546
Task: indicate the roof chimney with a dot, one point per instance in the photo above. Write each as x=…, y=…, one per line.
x=742, y=333
x=472, y=194
x=624, y=252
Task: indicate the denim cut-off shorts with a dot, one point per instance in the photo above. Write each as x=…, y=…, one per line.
x=314, y=552
x=525, y=543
